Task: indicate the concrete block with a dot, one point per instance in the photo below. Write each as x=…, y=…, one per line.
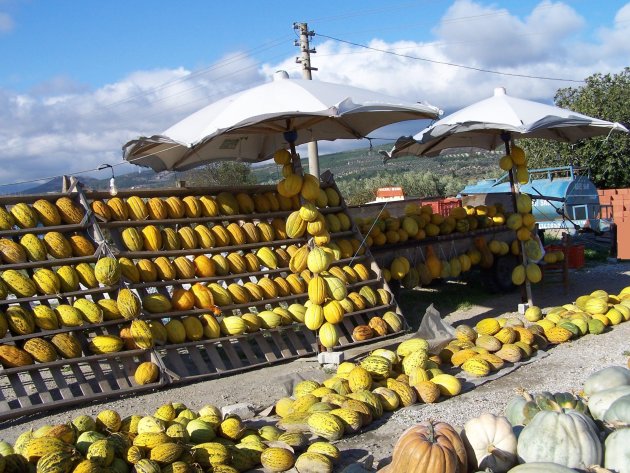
x=243, y=410
x=330, y=358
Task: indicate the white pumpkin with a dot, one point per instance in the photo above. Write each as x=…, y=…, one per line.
x=490, y=443
x=601, y=401
x=607, y=378
x=617, y=451
x=566, y=438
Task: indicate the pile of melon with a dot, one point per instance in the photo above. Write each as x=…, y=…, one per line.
x=420, y=222
x=484, y=349
x=176, y=438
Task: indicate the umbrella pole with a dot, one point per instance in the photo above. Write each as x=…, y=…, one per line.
x=526, y=289
x=291, y=136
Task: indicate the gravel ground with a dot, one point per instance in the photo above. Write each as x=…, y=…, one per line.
x=564, y=369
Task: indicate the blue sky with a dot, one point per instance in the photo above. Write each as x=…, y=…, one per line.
x=78, y=79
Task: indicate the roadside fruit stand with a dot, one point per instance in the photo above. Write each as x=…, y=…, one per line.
x=105, y=296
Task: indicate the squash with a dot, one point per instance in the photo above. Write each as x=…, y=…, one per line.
x=521, y=409
x=568, y=438
x=618, y=414
x=539, y=467
x=490, y=443
x=607, y=378
x=617, y=452
x=428, y=447
x=601, y=401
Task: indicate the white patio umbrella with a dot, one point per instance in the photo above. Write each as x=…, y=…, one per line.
x=251, y=125
x=494, y=121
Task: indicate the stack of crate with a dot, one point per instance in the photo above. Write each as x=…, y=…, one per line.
x=617, y=201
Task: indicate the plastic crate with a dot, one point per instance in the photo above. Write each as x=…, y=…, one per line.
x=446, y=205
x=574, y=254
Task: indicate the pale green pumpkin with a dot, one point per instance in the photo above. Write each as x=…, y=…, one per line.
x=599, y=402
x=540, y=467
x=618, y=414
x=607, y=378
x=567, y=438
x=617, y=451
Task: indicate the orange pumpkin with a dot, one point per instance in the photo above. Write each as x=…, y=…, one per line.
x=428, y=447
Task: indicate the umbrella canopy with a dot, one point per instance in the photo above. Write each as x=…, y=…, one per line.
x=488, y=123
x=252, y=124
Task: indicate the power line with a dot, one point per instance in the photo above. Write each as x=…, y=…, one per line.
x=445, y=63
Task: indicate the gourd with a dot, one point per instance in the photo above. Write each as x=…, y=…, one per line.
x=490, y=443
x=618, y=414
x=428, y=447
x=568, y=438
x=599, y=402
x=539, y=467
x=617, y=451
x=487, y=259
x=607, y=378
x=521, y=409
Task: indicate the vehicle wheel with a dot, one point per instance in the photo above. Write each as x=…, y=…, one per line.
x=502, y=272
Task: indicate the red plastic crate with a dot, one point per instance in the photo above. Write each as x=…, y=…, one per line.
x=574, y=254
x=446, y=205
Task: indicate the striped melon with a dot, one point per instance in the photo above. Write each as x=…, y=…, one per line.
x=68, y=315
x=34, y=247
x=45, y=318
x=57, y=245
x=378, y=366
x=171, y=239
x=85, y=271
x=6, y=219
x=118, y=209
x=70, y=212
x=68, y=279
x=128, y=304
x=276, y=459
x=11, y=252
x=156, y=303
x=141, y=334
x=23, y=215
x=105, y=344
x=326, y=425
x=91, y=312
x=132, y=239
x=14, y=357
x=101, y=210
x=137, y=208
x=81, y=246
x=18, y=283
x=146, y=373
x=67, y=345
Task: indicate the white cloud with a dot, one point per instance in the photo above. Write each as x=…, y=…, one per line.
x=61, y=126
x=6, y=23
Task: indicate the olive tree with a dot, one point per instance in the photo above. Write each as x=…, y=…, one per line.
x=604, y=96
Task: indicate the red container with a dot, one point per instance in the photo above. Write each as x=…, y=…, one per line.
x=446, y=205
x=574, y=254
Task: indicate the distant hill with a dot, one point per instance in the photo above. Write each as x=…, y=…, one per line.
x=346, y=165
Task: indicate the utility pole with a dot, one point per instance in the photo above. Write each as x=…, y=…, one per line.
x=305, y=60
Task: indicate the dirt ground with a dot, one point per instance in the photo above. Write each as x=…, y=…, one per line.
x=563, y=369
